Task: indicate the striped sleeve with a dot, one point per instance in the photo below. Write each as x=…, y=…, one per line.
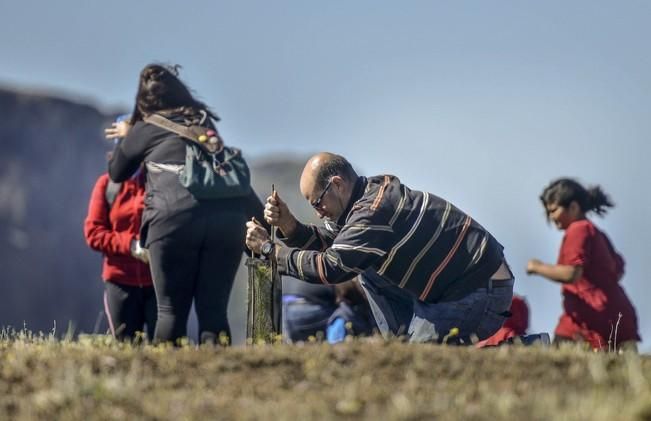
x=358, y=246
x=308, y=237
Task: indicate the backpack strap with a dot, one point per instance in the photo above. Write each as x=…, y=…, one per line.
x=169, y=125
x=112, y=190
x=192, y=133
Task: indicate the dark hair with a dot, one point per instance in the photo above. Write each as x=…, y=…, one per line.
x=335, y=165
x=564, y=191
x=160, y=89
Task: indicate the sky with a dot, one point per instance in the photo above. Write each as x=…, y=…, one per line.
x=483, y=103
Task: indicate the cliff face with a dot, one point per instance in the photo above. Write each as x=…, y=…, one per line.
x=52, y=152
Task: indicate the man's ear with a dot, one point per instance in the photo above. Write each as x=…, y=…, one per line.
x=338, y=181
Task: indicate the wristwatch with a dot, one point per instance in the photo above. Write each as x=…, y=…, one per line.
x=267, y=249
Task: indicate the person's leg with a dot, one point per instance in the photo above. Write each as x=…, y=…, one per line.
x=122, y=305
x=173, y=267
x=474, y=317
x=500, y=297
x=150, y=311
x=214, y=285
x=303, y=318
x=349, y=320
x=306, y=309
x=392, y=308
x=113, y=299
x=220, y=257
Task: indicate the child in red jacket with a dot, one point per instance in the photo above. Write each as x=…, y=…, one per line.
x=596, y=308
x=113, y=229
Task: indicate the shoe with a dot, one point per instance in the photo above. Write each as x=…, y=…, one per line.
x=541, y=339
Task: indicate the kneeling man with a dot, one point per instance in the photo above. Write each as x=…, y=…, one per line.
x=427, y=269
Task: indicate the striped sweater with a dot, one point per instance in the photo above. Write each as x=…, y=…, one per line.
x=415, y=240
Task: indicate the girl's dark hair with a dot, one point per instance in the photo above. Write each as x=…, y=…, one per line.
x=160, y=89
x=564, y=191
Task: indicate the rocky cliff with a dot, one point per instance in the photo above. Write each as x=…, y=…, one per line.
x=52, y=153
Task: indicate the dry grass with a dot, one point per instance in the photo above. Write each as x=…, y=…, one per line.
x=45, y=378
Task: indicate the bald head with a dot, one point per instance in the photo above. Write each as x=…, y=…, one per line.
x=323, y=166
x=321, y=170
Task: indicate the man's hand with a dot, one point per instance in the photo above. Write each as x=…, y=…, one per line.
x=277, y=213
x=350, y=292
x=256, y=235
x=117, y=130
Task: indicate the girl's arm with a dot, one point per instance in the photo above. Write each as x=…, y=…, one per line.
x=130, y=153
x=98, y=231
x=564, y=274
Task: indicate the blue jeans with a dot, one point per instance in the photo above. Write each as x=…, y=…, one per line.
x=476, y=316
x=302, y=318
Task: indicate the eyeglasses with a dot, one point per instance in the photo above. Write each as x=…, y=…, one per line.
x=317, y=203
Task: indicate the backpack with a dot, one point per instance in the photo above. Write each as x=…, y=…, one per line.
x=211, y=170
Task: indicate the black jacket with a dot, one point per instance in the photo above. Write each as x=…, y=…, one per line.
x=413, y=239
x=168, y=205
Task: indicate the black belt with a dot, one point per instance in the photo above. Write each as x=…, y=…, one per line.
x=460, y=288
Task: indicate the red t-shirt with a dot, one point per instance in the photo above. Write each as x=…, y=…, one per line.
x=593, y=302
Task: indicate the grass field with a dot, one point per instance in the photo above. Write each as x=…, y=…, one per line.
x=45, y=378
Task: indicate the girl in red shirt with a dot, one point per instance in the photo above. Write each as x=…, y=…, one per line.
x=596, y=308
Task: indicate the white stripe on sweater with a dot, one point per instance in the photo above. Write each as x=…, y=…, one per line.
x=299, y=264
x=363, y=249
x=362, y=227
x=429, y=244
x=337, y=262
x=406, y=238
x=401, y=204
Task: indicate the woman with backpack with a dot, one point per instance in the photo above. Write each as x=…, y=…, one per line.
x=596, y=308
x=197, y=201
x=112, y=227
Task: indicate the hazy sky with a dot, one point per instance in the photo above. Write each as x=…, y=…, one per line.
x=479, y=102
